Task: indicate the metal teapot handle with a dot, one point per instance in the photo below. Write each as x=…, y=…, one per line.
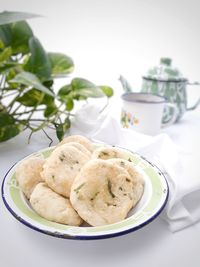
x=198, y=101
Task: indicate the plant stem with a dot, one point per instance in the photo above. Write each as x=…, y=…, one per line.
x=51, y=140
x=13, y=113
x=2, y=82
x=25, y=112
x=10, y=105
x=104, y=106
x=13, y=93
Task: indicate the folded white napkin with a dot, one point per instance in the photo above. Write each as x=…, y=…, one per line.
x=183, y=207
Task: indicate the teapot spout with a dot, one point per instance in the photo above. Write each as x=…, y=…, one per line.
x=125, y=84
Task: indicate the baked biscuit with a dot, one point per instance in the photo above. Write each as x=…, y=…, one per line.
x=28, y=174
x=136, y=177
x=78, y=139
x=102, y=193
x=52, y=206
x=61, y=167
x=107, y=153
x=81, y=148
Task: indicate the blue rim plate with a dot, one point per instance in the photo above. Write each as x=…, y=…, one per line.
x=153, y=201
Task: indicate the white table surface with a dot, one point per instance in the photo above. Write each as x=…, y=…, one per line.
x=153, y=244
x=135, y=50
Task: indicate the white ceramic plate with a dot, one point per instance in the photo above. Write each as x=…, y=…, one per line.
x=149, y=207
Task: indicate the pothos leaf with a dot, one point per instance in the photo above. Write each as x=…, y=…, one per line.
x=9, y=16
x=65, y=90
x=5, y=35
x=38, y=62
x=10, y=131
x=6, y=119
x=32, y=80
x=61, y=64
x=62, y=128
x=50, y=111
x=69, y=104
x=8, y=127
x=5, y=54
x=108, y=91
x=21, y=33
x=32, y=98
x=85, y=88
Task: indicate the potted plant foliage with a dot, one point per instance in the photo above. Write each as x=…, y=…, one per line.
x=27, y=74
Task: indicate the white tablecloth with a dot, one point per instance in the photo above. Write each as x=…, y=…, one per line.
x=153, y=244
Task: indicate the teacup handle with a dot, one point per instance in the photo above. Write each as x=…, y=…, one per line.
x=198, y=101
x=174, y=117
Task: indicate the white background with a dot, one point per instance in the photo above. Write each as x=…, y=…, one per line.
x=107, y=38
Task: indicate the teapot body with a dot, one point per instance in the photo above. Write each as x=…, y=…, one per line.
x=173, y=91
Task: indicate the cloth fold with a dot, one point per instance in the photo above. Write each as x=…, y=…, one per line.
x=183, y=207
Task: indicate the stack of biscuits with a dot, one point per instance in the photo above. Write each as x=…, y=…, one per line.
x=77, y=183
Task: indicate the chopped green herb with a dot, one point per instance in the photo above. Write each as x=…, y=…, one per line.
x=103, y=154
x=62, y=157
x=94, y=196
x=110, y=189
x=52, y=176
x=129, y=160
x=75, y=162
x=110, y=204
x=122, y=163
x=79, y=187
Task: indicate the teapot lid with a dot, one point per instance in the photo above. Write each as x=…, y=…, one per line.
x=164, y=72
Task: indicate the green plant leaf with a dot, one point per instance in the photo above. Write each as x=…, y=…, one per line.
x=50, y=111
x=65, y=90
x=10, y=74
x=1, y=44
x=5, y=55
x=67, y=124
x=48, y=100
x=4, y=67
x=61, y=64
x=10, y=131
x=85, y=88
x=69, y=104
x=9, y=16
x=59, y=131
x=108, y=91
x=31, y=80
x=5, y=35
x=32, y=98
x=6, y=119
x=62, y=128
x=21, y=33
x=38, y=62
x=48, y=83
x=8, y=127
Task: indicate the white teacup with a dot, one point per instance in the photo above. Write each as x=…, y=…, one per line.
x=143, y=112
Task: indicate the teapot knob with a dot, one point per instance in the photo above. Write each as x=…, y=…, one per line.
x=166, y=61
